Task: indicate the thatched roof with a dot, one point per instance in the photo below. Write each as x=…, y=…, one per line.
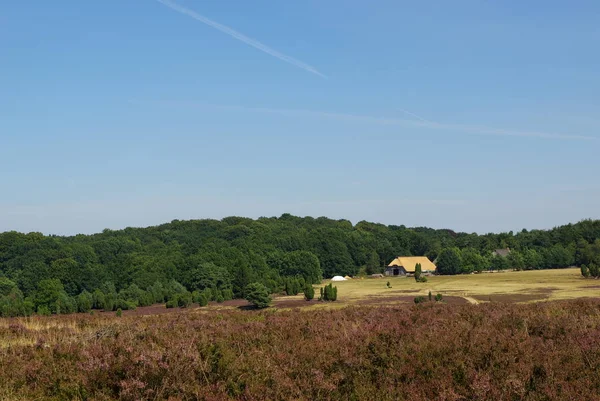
x=502, y=252
x=409, y=263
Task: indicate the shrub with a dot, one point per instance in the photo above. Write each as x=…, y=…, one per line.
x=429, y=296
x=309, y=292
x=389, y=285
x=184, y=299
x=220, y=298
x=171, y=303
x=422, y=279
x=329, y=293
x=418, y=272
x=202, y=300
x=594, y=270
x=43, y=310
x=85, y=301
x=258, y=295
x=419, y=299
x=438, y=297
x=227, y=294
x=119, y=312
x=585, y=272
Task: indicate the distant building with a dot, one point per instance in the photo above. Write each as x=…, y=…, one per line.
x=501, y=252
x=404, y=265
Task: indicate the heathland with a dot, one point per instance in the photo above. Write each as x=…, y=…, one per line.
x=185, y=261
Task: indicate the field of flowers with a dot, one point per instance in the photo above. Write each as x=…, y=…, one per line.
x=430, y=351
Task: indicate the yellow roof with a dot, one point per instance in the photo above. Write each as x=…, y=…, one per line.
x=409, y=263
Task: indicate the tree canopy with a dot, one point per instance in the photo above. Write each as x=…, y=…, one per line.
x=136, y=266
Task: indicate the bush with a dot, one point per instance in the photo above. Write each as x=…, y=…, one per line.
x=171, y=303
x=227, y=294
x=594, y=270
x=429, y=296
x=184, y=299
x=329, y=293
x=43, y=310
x=418, y=271
x=220, y=298
x=202, y=300
x=438, y=298
x=585, y=272
x=119, y=312
x=258, y=295
x=389, y=285
x=309, y=292
x=85, y=301
x=419, y=300
x=422, y=279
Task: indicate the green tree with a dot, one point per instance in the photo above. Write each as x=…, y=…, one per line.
x=373, y=264
x=309, y=292
x=85, y=301
x=532, y=260
x=516, y=260
x=258, y=295
x=51, y=295
x=585, y=272
x=418, y=271
x=449, y=262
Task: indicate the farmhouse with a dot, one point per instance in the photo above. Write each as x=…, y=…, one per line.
x=403, y=265
x=501, y=252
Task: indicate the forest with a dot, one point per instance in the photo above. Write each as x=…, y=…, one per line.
x=213, y=260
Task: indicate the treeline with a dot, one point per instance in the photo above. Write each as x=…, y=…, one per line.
x=219, y=258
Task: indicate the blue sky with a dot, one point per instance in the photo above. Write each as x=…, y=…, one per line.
x=473, y=115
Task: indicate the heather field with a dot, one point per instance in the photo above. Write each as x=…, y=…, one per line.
x=430, y=351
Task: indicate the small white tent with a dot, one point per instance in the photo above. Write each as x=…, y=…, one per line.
x=338, y=278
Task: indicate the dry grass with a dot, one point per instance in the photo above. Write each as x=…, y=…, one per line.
x=521, y=286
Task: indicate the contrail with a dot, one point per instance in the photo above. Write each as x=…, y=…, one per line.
x=414, y=115
x=241, y=37
x=377, y=120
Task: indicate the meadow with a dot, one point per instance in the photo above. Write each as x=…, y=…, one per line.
x=485, y=342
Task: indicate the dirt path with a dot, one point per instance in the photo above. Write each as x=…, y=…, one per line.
x=471, y=300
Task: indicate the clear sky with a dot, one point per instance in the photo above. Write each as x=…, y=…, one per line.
x=466, y=114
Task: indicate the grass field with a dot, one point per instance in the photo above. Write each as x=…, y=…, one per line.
x=523, y=286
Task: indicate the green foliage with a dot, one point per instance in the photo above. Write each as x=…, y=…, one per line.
x=429, y=296
x=473, y=261
x=585, y=272
x=258, y=295
x=227, y=294
x=419, y=299
x=389, y=285
x=292, y=286
x=594, y=270
x=184, y=299
x=309, y=292
x=418, y=272
x=422, y=279
x=449, y=262
x=43, y=310
x=438, y=298
x=373, y=264
x=532, y=260
x=200, y=299
x=149, y=265
x=85, y=302
x=51, y=295
x=119, y=312
x=499, y=263
x=220, y=299
x=329, y=293
x=516, y=260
